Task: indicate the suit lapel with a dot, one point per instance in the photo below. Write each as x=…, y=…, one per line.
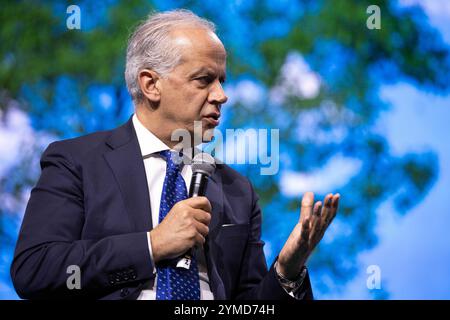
x=127, y=165
x=215, y=195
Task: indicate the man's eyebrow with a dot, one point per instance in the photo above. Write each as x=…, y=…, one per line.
x=200, y=70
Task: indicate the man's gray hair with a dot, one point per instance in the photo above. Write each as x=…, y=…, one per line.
x=150, y=46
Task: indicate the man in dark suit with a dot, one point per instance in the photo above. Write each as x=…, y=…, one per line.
x=112, y=205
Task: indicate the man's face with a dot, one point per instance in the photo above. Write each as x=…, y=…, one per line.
x=193, y=91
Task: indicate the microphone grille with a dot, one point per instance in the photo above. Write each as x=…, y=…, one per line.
x=203, y=162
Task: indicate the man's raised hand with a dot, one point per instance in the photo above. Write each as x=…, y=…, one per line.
x=314, y=221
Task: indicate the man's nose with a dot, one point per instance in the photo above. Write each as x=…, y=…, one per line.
x=217, y=94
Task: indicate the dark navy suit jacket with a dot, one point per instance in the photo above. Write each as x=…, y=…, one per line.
x=91, y=208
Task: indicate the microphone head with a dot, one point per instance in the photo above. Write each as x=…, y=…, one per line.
x=203, y=163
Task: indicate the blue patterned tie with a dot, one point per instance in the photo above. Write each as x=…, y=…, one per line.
x=175, y=283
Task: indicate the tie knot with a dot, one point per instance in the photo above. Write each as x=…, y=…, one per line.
x=173, y=158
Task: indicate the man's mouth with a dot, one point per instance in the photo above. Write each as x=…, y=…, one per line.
x=212, y=118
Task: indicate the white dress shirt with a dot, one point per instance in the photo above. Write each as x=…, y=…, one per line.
x=155, y=170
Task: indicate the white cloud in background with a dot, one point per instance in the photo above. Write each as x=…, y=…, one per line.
x=326, y=123
x=247, y=92
x=18, y=141
x=15, y=131
x=296, y=79
x=333, y=175
x=438, y=11
x=106, y=100
x=431, y=7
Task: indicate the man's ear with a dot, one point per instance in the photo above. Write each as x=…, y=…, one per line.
x=150, y=86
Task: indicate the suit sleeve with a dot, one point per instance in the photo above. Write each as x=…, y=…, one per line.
x=256, y=282
x=50, y=240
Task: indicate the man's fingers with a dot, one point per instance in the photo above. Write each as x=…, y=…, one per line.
x=201, y=228
x=317, y=208
x=326, y=210
x=304, y=233
x=328, y=200
x=307, y=206
x=202, y=216
x=335, y=202
x=316, y=220
x=330, y=210
x=315, y=217
x=199, y=239
x=199, y=203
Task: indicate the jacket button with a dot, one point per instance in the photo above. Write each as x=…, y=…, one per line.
x=124, y=292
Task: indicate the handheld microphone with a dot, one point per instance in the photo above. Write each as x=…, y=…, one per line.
x=203, y=165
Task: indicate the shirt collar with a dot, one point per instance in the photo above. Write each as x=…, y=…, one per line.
x=148, y=142
x=151, y=144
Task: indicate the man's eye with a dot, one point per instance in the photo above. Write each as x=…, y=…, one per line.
x=204, y=80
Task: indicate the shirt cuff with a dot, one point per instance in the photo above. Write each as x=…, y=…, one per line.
x=150, y=251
